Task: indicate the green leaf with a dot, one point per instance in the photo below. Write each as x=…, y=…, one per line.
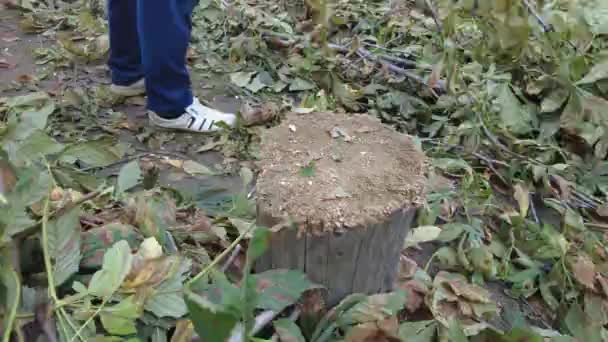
x=374, y=308
x=299, y=84
x=95, y=153
x=167, y=300
x=581, y=325
x=193, y=168
x=596, y=16
x=452, y=165
x=456, y=333
x=451, y=232
x=38, y=144
x=308, y=170
x=64, y=245
x=211, y=322
x=288, y=331
x=259, y=82
x=116, y=267
x=120, y=318
x=241, y=79
x=514, y=116
x=258, y=244
x=29, y=113
x=554, y=100
x=422, y=234
x=420, y=331
x=32, y=185
x=598, y=72
x=128, y=177
x=280, y=288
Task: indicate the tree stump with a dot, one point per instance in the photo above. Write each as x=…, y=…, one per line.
x=340, y=193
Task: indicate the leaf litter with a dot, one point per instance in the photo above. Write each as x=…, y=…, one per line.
x=508, y=99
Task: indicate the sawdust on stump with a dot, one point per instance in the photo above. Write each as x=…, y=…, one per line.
x=328, y=172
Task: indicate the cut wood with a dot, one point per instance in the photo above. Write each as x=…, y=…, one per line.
x=340, y=193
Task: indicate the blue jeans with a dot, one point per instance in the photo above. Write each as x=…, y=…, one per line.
x=149, y=39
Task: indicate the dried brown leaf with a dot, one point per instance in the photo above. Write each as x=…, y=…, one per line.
x=584, y=271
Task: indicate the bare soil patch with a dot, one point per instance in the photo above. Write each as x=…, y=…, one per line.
x=331, y=171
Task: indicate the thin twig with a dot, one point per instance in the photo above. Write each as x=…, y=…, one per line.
x=293, y=317
x=533, y=209
x=366, y=54
x=230, y=260
x=546, y=27
x=218, y=258
x=62, y=210
x=361, y=52
x=91, y=318
x=597, y=226
x=490, y=163
x=261, y=321
x=435, y=15
x=12, y=313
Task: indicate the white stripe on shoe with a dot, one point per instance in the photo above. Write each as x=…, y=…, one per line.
x=197, y=118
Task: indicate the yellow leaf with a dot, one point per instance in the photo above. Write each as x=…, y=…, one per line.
x=149, y=272
x=522, y=196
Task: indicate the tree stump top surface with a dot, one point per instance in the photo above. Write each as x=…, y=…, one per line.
x=328, y=172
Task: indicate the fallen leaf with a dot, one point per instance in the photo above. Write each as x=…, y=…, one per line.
x=422, y=234
x=382, y=331
x=407, y=268
x=522, y=196
x=128, y=177
x=584, y=271
x=120, y=319
x=338, y=132
x=176, y=163
x=116, y=267
x=598, y=72
x=194, y=169
x=241, y=79
x=255, y=115
x=415, y=293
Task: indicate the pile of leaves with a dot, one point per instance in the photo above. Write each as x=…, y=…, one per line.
x=508, y=98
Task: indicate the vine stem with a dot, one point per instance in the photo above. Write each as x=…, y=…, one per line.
x=13, y=312
x=45, y=248
x=221, y=256
x=91, y=318
x=48, y=265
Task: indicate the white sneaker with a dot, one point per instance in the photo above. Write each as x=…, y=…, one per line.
x=135, y=89
x=197, y=118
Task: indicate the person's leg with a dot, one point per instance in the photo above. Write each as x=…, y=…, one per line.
x=164, y=32
x=125, y=55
